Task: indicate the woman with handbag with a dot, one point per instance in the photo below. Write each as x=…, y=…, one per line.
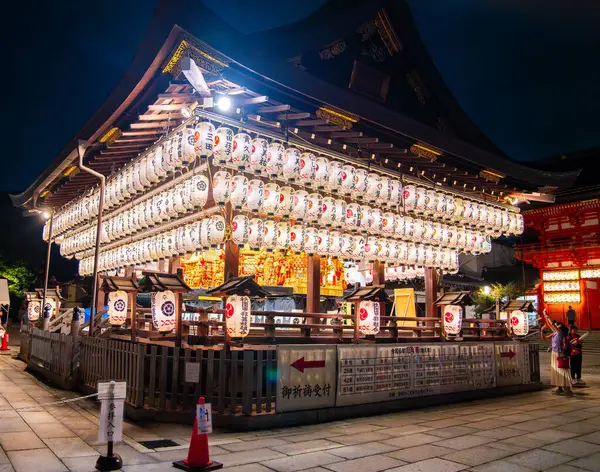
x=560, y=377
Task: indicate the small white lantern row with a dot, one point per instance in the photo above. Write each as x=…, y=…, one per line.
x=117, y=308
x=368, y=318
x=519, y=323
x=163, y=311
x=237, y=316
x=452, y=319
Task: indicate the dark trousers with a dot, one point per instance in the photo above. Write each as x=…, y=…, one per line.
x=576, y=366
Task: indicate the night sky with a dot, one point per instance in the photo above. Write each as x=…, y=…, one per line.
x=528, y=76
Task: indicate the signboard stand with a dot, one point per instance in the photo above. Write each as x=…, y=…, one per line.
x=112, y=395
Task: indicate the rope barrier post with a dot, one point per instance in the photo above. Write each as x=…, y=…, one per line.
x=111, y=461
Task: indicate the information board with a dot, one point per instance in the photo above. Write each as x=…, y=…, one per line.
x=509, y=363
x=306, y=377
x=370, y=374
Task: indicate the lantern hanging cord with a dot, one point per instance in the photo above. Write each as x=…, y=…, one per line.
x=59, y=402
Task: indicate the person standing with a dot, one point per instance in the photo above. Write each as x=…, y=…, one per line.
x=571, y=315
x=575, y=345
x=560, y=377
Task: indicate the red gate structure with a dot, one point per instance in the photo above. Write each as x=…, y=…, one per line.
x=568, y=258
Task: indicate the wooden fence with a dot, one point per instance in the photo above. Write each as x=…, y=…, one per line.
x=52, y=353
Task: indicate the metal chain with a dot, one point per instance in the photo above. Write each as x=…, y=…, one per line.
x=59, y=402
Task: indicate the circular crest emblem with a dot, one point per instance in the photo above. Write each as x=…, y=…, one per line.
x=168, y=308
x=120, y=305
x=449, y=317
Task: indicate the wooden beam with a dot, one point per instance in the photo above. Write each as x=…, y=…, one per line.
x=157, y=124
x=273, y=109
x=293, y=116
x=311, y=122
x=380, y=146
x=328, y=129
x=172, y=116
x=115, y=146
x=378, y=273
x=186, y=96
x=171, y=107
x=135, y=140
x=362, y=140
x=313, y=289
x=141, y=133
x=255, y=100
x=346, y=134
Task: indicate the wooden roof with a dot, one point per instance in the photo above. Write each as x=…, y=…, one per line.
x=245, y=286
x=113, y=283
x=375, y=293
x=160, y=282
x=455, y=298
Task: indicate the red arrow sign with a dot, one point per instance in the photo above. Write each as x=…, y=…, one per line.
x=508, y=354
x=301, y=364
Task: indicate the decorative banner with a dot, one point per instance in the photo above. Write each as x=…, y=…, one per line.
x=452, y=319
x=368, y=317
x=163, y=311
x=519, y=322
x=117, y=308
x=33, y=310
x=237, y=316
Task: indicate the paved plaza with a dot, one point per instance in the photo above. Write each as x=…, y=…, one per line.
x=520, y=433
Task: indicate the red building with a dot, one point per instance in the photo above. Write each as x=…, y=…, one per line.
x=567, y=255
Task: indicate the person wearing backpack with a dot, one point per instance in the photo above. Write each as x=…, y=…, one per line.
x=560, y=376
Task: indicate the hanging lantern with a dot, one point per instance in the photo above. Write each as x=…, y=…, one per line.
x=467, y=211
x=360, y=184
x=358, y=247
x=519, y=323
x=323, y=242
x=299, y=205
x=371, y=249
x=297, y=238
x=444, y=235
x=430, y=202
x=256, y=195
x=348, y=176
x=452, y=236
x=482, y=217
x=334, y=180
x=452, y=319
x=310, y=241
x=140, y=169
x=286, y=204
x=307, y=168
x=315, y=207
x=364, y=218
x=221, y=187
x=239, y=191
x=436, y=233
x=216, y=230
x=491, y=218
x=519, y=224
x=328, y=211
x=347, y=245
x=271, y=202
x=385, y=190
x=450, y=208
x=169, y=246
x=239, y=229
x=321, y=172
x=223, y=146
x=172, y=158
x=412, y=254
x=51, y=305
x=352, y=219
x=160, y=162
x=258, y=156
x=291, y=164
x=420, y=207
x=237, y=316
x=275, y=159
x=205, y=143
x=255, y=233
x=241, y=151
x=395, y=199
x=282, y=240
x=335, y=244
x=368, y=317
x=375, y=221
x=461, y=238
x=198, y=191
x=427, y=236
x=339, y=216
x=474, y=220
x=117, y=308
x=163, y=311
x=418, y=231
x=393, y=251
x=188, y=146
x=168, y=206
x=34, y=307
x=399, y=226
x=440, y=208
x=373, y=183
x=409, y=197
x=486, y=246
x=383, y=249
x=505, y=221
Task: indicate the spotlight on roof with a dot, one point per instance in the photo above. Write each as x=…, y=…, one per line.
x=46, y=215
x=224, y=103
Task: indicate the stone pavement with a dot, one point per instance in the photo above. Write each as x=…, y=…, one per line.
x=520, y=433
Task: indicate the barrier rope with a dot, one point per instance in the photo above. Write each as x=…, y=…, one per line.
x=59, y=402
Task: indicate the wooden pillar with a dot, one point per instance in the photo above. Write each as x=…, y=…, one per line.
x=313, y=285
x=178, y=319
x=232, y=260
x=100, y=299
x=174, y=264
x=431, y=281
x=378, y=273
x=133, y=313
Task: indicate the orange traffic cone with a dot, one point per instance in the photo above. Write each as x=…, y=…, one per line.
x=4, y=342
x=198, y=459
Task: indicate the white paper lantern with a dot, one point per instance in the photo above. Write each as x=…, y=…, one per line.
x=335, y=244
x=242, y=149
x=315, y=207
x=291, y=164
x=385, y=190
x=223, y=146
x=352, y=220
x=395, y=199
x=237, y=316
x=297, y=238
x=452, y=236
x=256, y=195
x=255, y=233
x=520, y=224
x=216, y=230
x=375, y=221
x=358, y=247
x=203, y=227
x=348, y=176
x=364, y=218
x=117, y=308
x=188, y=147
x=141, y=165
x=459, y=207
x=334, y=180
x=275, y=153
x=328, y=211
x=368, y=318
x=34, y=307
x=420, y=207
x=269, y=235
x=198, y=192
x=286, y=204
x=310, y=241
x=371, y=249
x=347, y=245
x=449, y=210
x=388, y=224
x=399, y=226
x=307, y=168
x=299, y=205
x=171, y=152
x=239, y=191
x=440, y=208
x=282, y=239
x=271, y=202
x=467, y=217
x=360, y=183
x=221, y=187
x=52, y=305
x=452, y=319
x=205, y=143
x=323, y=242
x=409, y=197
x=519, y=322
x=339, y=216
x=431, y=200
x=258, y=156
x=373, y=183
x=164, y=311
x=321, y=172
x=240, y=225
x=160, y=162
x=394, y=251
x=427, y=236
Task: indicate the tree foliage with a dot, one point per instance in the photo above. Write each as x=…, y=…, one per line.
x=503, y=292
x=20, y=277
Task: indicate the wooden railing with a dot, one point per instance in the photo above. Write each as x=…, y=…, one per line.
x=52, y=352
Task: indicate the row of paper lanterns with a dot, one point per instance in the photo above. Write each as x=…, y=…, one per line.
x=274, y=161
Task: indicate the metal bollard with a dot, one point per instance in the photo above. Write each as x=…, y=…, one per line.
x=46, y=318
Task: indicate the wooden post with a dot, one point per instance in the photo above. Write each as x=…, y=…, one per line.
x=178, y=319
x=430, y=292
x=232, y=260
x=132, y=307
x=99, y=308
x=174, y=264
x=356, y=322
x=313, y=289
x=378, y=273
